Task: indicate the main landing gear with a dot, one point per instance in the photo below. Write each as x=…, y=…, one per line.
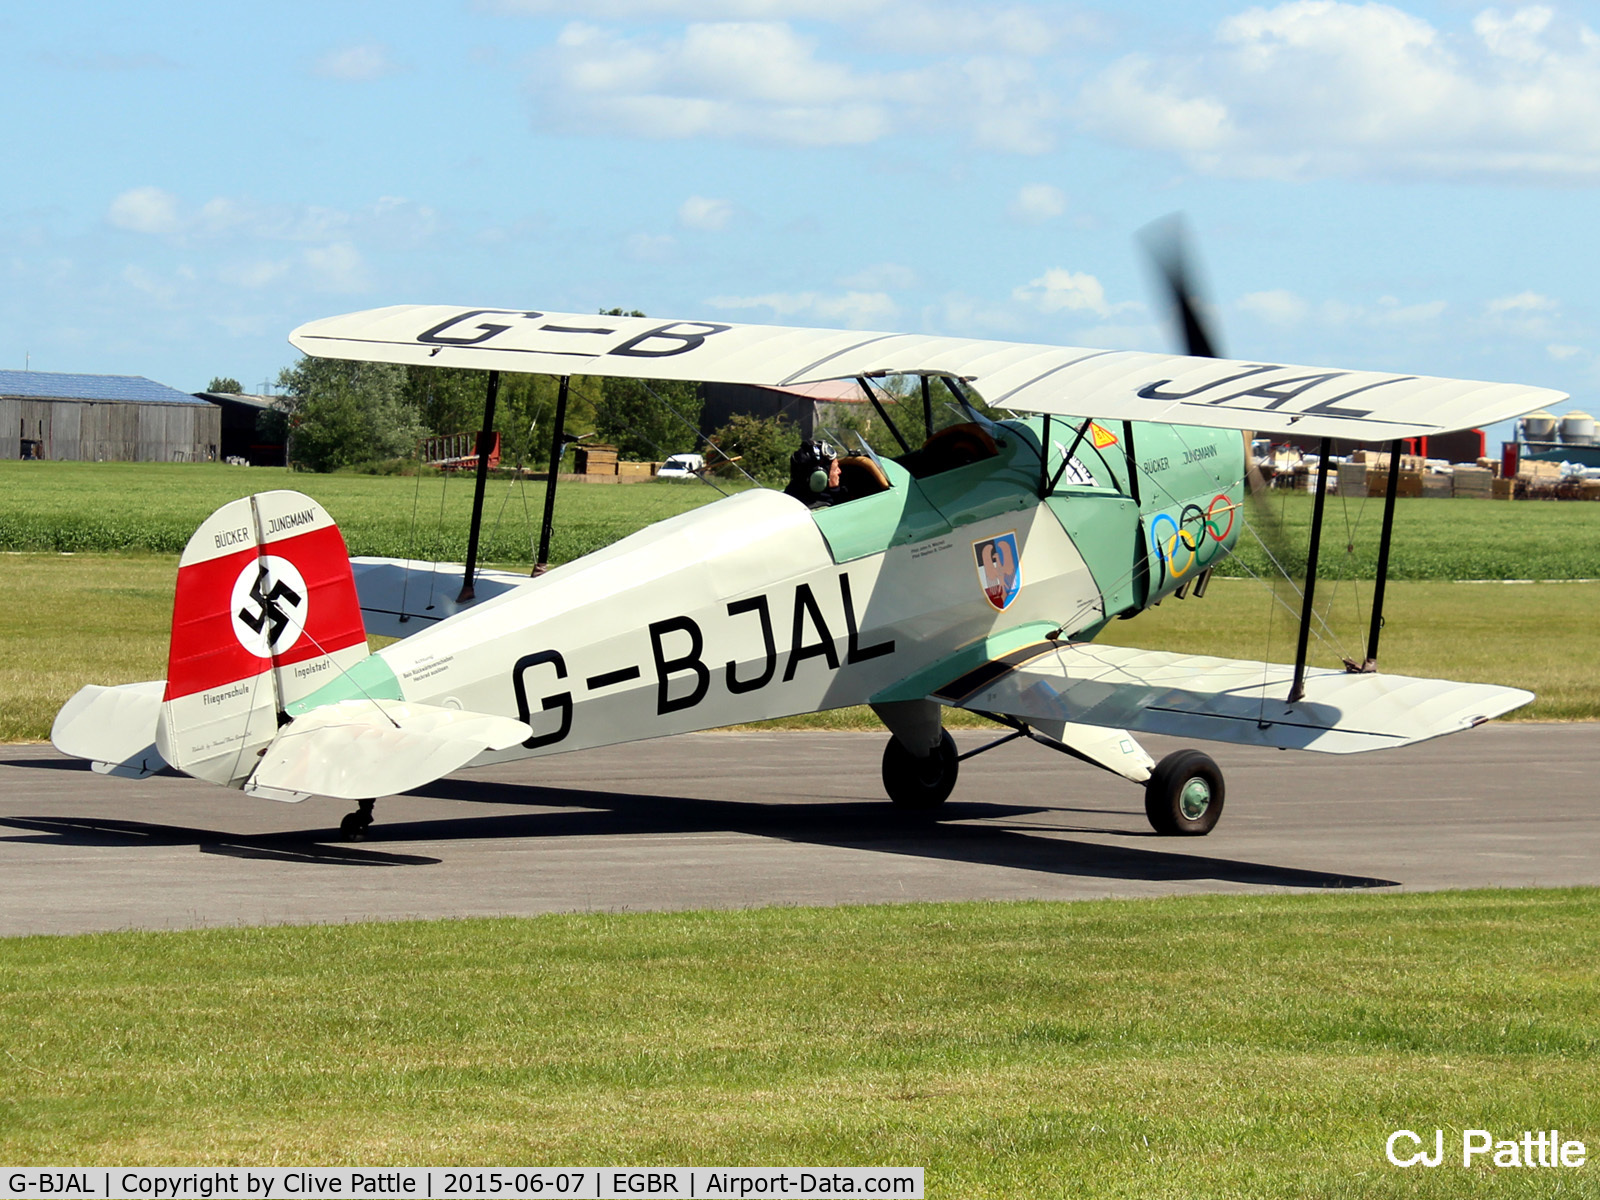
x=920, y=784
x=1183, y=793
x=354, y=826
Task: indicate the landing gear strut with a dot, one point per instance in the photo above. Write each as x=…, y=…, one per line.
x=920, y=784
x=354, y=826
x=1184, y=795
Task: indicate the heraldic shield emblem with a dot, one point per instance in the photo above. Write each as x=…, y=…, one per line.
x=999, y=568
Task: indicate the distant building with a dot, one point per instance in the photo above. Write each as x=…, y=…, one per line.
x=241, y=428
x=797, y=405
x=104, y=418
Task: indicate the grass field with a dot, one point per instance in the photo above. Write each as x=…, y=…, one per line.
x=1210, y=1046
x=156, y=506
x=1193, y=1047
x=1544, y=637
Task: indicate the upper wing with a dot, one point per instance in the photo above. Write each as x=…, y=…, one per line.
x=1110, y=384
x=1222, y=699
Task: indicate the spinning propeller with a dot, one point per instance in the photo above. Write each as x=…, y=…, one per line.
x=1166, y=243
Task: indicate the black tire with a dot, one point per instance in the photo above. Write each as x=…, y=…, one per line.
x=1184, y=795
x=920, y=784
x=354, y=826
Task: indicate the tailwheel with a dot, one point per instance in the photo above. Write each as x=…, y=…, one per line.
x=1183, y=797
x=920, y=784
x=353, y=828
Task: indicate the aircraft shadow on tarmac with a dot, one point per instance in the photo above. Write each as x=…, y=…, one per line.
x=863, y=825
x=280, y=847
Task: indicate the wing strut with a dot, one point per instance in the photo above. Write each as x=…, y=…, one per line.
x=873, y=396
x=485, y=444
x=558, y=447
x=1390, y=493
x=1298, y=690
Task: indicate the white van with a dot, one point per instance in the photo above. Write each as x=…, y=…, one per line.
x=681, y=466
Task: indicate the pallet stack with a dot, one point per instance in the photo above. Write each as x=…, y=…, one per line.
x=1410, y=484
x=1352, y=479
x=595, y=460
x=1474, y=482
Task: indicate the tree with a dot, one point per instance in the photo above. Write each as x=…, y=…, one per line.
x=225, y=384
x=342, y=413
x=761, y=444
x=647, y=419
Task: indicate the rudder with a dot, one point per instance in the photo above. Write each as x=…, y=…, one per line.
x=265, y=613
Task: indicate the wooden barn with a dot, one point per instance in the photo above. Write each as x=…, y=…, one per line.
x=104, y=418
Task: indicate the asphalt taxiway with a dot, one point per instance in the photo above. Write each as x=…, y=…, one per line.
x=742, y=819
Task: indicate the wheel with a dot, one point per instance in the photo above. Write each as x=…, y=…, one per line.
x=1183, y=797
x=352, y=827
x=920, y=784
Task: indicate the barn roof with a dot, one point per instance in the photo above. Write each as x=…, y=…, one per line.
x=53, y=385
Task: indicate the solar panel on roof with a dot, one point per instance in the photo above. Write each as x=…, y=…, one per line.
x=54, y=385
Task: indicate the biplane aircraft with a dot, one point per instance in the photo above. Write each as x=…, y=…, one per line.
x=973, y=568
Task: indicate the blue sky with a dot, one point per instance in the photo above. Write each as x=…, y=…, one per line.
x=1407, y=187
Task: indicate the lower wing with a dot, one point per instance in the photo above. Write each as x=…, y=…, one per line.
x=1222, y=699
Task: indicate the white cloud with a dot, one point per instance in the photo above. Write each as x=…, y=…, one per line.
x=704, y=10
x=1059, y=290
x=764, y=81
x=651, y=247
x=879, y=277
x=391, y=221
x=167, y=290
x=1522, y=302
x=145, y=210
x=1019, y=30
x=1561, y=352
x=705, y=214
x=337, y=267
x=1320, y=87
x=1526, y=315
x=727, y=80
x=855, y=309
x=1276, y=307
x=253, y=275
x=356, y=64
x=1036, y=203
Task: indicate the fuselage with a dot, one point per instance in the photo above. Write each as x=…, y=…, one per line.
x=756, y=607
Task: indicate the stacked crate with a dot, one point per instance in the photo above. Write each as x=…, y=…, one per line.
x=1474, y=482
x=596, y=460
x=1410, y=483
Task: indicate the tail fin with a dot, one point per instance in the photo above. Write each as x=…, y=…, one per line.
x=266, y=612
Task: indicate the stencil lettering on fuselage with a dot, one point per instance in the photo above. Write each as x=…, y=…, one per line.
x=680, y=650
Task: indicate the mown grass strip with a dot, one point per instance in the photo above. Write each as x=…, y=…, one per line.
x=1201, y=1046
x=84, y=507
x=154, y=507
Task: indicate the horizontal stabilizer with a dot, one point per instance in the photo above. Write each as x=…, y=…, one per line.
x=113, y=727
x=1223, y=699
x=359, y=750
x=401, y=596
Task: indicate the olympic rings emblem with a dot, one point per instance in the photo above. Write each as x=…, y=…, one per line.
x=1178, y=542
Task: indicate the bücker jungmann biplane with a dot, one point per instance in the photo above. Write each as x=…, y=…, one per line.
x=974, y=568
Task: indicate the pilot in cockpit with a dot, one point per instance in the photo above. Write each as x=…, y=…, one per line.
x=814, y=476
